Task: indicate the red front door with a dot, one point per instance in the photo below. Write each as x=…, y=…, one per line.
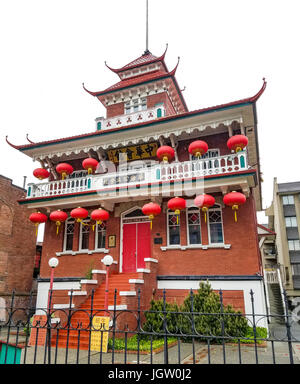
x=136, y=246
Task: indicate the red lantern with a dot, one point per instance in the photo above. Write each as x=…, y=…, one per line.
x=90, y=164
x=64, y=169
x=59, y=217
x=151, y=210
x=204, y=202
x=99, y=215
x=37, y=218
x=165, y=153
x=237, y=143
x=198, y=148
x=176, y=204
x=41, y=173
x=79, y=214
x=234, y=199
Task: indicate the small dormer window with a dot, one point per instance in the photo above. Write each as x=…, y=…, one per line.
x=136, y=105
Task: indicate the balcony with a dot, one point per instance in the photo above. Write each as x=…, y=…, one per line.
x=130, y=119
x=152, y=175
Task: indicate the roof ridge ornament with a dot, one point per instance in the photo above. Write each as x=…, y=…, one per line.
x=12, y=145
x=27, y=138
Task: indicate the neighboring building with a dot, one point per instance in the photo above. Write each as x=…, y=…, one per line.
x=284, y=219
x=145, y=110
x=17, y=246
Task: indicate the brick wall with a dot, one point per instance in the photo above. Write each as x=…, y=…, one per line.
x=17, y=243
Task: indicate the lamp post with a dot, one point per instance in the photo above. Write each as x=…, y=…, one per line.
x=53, y=263
x=107, y=261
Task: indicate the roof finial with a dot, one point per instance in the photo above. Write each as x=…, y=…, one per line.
x=147, y=30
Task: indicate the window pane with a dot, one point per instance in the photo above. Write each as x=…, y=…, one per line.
x=291, y=221
x=101, y=233
x=174, y=229
x=69, y=242
x=216, y=233
x=194, y=227
x=69, y=235
x=85, y=231
x=288, y=200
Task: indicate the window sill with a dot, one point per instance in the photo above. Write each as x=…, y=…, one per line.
x=73, y=253
x=204, y=247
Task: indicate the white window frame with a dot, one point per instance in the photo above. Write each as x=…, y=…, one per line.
x=80, y=235
x=208, y=224
x=96, y=237
x=192, y=158
x=70, y=220
x=140, y=102
x=288, y=200
x=292, y=245
x=291, y=222
x=170, y=212
x=193, y=209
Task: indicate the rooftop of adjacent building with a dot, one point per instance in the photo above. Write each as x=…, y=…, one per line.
x=290, y=187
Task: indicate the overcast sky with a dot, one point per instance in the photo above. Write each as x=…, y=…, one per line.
x=49, y=48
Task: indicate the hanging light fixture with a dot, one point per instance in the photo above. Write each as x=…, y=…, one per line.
x=204, y=202
x=37, y=218
x=165, y=153
x=99, y=215
x=177, y=204
x=237, y=143
x=79, y=214
x=198, y=148
x=151, y=210
x=59, y=217
x=41, y=173
x=90, y=165
x=64, y=169
x=234, y=199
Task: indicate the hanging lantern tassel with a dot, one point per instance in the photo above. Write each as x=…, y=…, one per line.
x=235, y=208
x=177, y=212
x=36, y=228
x=204, y=209
x=151, y=217
x=58, y=223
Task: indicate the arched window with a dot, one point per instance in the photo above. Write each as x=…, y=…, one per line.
x=100, y=235
x=215, y=225
x=69, y=234
x=84, y=235
x=193, y=226
x=173, y=222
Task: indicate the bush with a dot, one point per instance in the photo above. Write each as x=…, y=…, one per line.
x=210, y=321
x=206, y=318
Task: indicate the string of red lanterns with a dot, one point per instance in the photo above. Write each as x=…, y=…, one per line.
x=64, y=169
x=90, y=165
x=38, y=218
x=198, y=148
x=99, y=215
x=41, y=173
x=237, y=143
x=177, y=204
x=165, y=153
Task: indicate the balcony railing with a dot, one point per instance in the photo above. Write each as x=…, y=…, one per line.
x=149, y=175
x=129, y=119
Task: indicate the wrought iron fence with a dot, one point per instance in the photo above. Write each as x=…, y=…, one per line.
x=168, y=334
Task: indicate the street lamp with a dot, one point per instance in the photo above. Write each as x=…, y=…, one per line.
x=53, y=263
x=107, y=261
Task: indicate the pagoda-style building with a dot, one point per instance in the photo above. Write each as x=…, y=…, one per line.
x=178, y=247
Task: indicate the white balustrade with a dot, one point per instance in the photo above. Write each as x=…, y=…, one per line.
x=154, y=174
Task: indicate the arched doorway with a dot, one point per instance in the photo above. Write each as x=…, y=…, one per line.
x=136, y=240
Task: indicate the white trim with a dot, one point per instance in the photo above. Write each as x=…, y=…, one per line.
x=88, y=281
x=63, y=306
x=118, y=307
x=144, y=270
x=136, y=281
x=151, y=260
x=127, y=293
x=77, y=293
x=208, y=228
x=99, y=271
x=170, y=212
x=55, y=320
x=203, y=246
x=74, y=253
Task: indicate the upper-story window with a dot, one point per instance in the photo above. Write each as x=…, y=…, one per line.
x=84, y=235
x=69, y=234
x=194, y=227
x=215, y=225
x=173, y=228
x=211, y=153
x=291, y=222
x=100, y=235
x=294, y=245
x=288, y=200
x=135, y=105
